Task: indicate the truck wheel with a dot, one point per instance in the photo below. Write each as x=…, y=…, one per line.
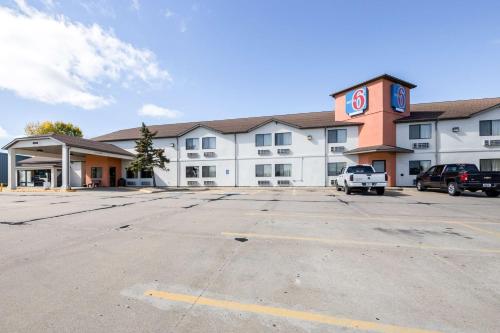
x=347, y=189
x=420, y=186
x=380, y=190
x=453, y=189
x=492, y=194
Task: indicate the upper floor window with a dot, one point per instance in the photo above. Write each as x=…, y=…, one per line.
x=335, y=168
x=283, y=170
x=263, y=140
x=489, y=127
x=263, y=170
x=337, y=136
x=208, y=171
x=283, y=139
x=192, y=143
x=208, y=143
x=422, y=131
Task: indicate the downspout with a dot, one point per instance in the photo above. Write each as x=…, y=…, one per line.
x=436, y=142
x=326, y=157
x=236, y=173
x=178, y=162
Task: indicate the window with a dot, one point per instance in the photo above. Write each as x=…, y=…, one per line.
x=423, y=131
x=283, y=139
x=379, y=165
x=96, y=172
x=263, y=140
x=438, y=170
x=417, y=167
x=283, y=170
x=490, y=165
x=489, y=127
x=337, y=136
x=192, y=143
x=263, y=170
x=208, y=171
x=335, y=168
x=192, y=171
x=461, y=167
x=146, y=173
x=208, y=143
x=131, y=174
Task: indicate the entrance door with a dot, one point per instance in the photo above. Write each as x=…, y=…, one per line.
x=112, y=176
x=379, y=165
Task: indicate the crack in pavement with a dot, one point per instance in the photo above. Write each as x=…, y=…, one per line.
x=26, y=222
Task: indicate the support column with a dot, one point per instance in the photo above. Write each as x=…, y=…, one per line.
x=11, y=169
x=65, y=168
x=53, y=178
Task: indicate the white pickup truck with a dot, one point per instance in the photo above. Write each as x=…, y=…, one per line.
x=361, y=177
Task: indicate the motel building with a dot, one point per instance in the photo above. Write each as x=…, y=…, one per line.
x=373, y=123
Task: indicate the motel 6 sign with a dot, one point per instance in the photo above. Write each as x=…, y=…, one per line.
x=356, y=101
x=398, y=97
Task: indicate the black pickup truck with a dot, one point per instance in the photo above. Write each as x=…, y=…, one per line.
x=456, y=178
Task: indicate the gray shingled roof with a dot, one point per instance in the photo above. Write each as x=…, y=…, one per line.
x=449, y=109
x=230, y=126
x=77, y=142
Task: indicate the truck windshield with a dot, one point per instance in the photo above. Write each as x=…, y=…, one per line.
x=360, y=169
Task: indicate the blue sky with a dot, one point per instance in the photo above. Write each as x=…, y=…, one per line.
x=108, y=65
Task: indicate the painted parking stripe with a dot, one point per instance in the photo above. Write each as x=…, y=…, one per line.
x=284, y=313
x=354, y=242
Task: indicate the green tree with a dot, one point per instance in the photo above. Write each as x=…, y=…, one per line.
x=49, y=127
x=147, y=157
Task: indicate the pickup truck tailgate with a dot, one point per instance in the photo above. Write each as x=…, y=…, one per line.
x=485, y=177
x=369, y=178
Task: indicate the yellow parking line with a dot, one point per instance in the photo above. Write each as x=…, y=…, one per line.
x=467, y=225
x=285, y=313
x=364, y=218
x=353, y=242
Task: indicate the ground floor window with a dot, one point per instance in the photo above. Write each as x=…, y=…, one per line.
x=96, y=172
x=379, y=165
x=335, y=167
x=131, y=174
x=417, y=167
x=208, y=171
x=192, y=171
x=146, y=173
x=490, y=165
x=283, y=170
x=263, y=170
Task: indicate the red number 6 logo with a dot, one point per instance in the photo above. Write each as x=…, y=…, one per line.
x=358, y=99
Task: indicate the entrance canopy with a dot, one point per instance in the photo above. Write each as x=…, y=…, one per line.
x=65, y=149
x=377, y=149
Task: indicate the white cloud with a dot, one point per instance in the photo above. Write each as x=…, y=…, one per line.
x=169, y=13
x=135, y=5
x=54, y=60
x=3, y=133
x=151, y=110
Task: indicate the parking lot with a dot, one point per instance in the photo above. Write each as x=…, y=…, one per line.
x=249, y=260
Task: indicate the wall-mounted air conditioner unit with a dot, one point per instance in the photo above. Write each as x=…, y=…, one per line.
x=491, y=143
x=284, y=182
x=421, y=145
x=284, y=151
x=209, y=154
x=130, y=183
x=264, y=183
x=192, y=183
x=333, y=182
x=193, y=155
x=264, y=152
x=145, y=183
x=209, y=183
x=455, y=129
x=337, y=149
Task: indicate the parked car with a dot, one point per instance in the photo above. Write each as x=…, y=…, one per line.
x=456, y=178
x=362, y=177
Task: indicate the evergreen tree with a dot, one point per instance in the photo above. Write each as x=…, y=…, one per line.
x=147, y=157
